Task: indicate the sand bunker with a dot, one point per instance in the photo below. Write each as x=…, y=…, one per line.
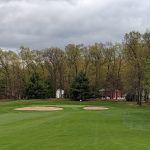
x=95, y=108
x=40, y=108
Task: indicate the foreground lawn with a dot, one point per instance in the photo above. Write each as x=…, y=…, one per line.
x=122, y=127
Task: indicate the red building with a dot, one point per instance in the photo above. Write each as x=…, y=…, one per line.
x=114, y=94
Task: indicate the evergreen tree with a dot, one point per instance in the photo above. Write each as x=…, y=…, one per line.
x=37, y=87
x=79, y=89
x=147, y=76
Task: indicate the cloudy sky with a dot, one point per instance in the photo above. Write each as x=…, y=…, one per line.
x=46, y=23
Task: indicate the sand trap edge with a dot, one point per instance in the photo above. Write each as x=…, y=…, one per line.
x=40, y=108
x=95, y=108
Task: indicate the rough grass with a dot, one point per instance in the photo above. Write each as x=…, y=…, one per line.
x=122, y=127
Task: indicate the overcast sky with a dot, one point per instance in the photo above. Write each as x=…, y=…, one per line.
x=46, y=23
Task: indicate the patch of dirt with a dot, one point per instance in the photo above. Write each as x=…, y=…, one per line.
x=95, y=108
x=40, y=108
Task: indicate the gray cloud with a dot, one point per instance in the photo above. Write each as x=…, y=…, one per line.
x=40, y=24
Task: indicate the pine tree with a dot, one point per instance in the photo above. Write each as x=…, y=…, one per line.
x=79, y=89
x=147, y=76
x=37, y=87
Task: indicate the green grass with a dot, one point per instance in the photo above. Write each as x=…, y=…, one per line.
x=122, y=127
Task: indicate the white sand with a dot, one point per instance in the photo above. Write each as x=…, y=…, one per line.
x=40, y=108
x=95, y=108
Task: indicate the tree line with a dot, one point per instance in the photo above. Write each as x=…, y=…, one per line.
x=124, y=66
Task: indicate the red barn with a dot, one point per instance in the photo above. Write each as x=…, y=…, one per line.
x=112, y=94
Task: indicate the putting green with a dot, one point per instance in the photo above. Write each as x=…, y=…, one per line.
x=122, y=127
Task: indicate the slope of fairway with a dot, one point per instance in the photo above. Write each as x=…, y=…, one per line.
x=121, y=127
